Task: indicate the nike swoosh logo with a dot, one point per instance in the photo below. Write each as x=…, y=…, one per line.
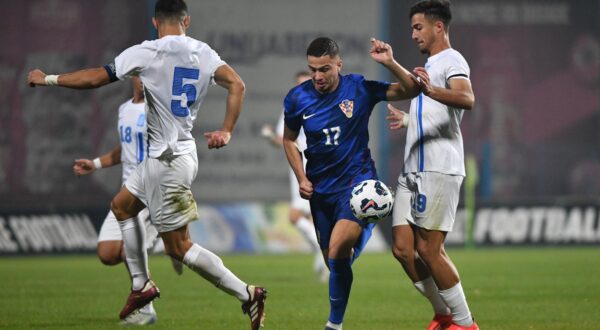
x=333, y=299
x=305, y=117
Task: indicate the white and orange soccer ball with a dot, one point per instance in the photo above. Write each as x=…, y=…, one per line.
x=371, y=201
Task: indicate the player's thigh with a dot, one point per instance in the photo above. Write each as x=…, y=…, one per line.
x=435, y=200
x=168, y=189
x=323, y=219
x=344, y=236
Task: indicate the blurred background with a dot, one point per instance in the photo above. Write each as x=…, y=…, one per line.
x=532, y=139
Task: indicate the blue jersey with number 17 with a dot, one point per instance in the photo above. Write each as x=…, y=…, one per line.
x=336, y=128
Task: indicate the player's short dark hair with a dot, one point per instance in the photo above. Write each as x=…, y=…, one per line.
x=433, y=10
x=170, y=9
x=323, y=46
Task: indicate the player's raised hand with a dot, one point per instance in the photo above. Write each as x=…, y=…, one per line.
x=380, y=51
x=36, y=77
x=217, y=139
x=306, y=189
x=421, y=78
x=83, y=167
x=396, y=117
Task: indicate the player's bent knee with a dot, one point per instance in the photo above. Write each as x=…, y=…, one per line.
x=428, y=252
x=177, y=250
x=403, y=253
x=109, y=258
x=118, y=211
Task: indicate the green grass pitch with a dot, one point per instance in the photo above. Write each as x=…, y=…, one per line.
x=514, y=288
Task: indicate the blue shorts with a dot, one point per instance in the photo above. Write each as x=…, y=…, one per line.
x=327, y=209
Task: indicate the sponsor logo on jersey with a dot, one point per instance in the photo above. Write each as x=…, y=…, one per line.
x=347, y=106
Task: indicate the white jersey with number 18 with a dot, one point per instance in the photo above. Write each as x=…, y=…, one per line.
x=176, y=72
x=132, y=133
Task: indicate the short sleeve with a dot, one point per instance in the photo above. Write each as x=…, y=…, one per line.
x=291, y=117
x=214, y=62
x=457, y=68
x=377, y=89
x=132, y=61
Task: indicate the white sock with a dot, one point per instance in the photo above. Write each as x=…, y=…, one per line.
x=148, y=309
x=334, y=325
x=135, y=252
x=210, y=266
x=456, y=301
x=307, y=229
x=428, y=289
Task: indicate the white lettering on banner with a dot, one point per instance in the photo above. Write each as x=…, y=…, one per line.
x=556, y=225
x=537, y=223
x=555, y=219
x=46, y=233
x=17, y=225
x=7, y=244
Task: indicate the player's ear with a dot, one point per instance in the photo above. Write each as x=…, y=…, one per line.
x=186, y=22
x=155, y=23
x=340, y=64
x=439, y=26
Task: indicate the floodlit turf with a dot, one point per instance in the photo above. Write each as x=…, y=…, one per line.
x=522, y=288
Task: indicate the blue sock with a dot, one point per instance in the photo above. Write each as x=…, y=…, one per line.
x=340, y=282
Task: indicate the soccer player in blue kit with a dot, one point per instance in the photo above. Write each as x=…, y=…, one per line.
x=334, y=111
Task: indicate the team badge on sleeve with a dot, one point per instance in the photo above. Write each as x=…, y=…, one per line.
x=347, y=106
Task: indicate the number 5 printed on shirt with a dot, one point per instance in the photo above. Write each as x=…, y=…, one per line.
x=180, y=88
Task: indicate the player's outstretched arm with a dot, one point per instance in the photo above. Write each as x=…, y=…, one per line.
x=87, y=166
x=406, y=87
x=459, y=93
x=82, y=79
x=295, y=159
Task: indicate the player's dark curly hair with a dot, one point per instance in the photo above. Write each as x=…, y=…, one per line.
x=433, y=10
x=170, y=9
x=323, y=46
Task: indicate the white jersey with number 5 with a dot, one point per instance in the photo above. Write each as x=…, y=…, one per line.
x=176, y=72
x=134, y=140
x=434, y=141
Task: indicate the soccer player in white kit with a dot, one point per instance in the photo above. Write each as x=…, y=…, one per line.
x=176, y=71
x=429, y=187
x=299, y=214
x=130, y=152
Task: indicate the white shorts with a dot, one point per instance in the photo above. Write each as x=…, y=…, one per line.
x=163, y=184
x=427, y=200
x=297, y=202
x=110, y=230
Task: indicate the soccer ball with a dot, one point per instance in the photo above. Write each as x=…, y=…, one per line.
x=371, y=201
